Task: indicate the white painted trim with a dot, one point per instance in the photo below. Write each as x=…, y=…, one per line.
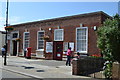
x=40, y=50
x=37, y=40
x=11, y=42
x=86, y=41
x=13, y=33
x=11, y=45
x=24, y=38
x=17, y=48
x=62, y=34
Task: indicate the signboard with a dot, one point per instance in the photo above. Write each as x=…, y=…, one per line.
x=49, y=47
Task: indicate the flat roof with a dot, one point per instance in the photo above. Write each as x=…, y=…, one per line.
x=3, y=32
x=65, y=18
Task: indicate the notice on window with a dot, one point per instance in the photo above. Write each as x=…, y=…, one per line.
x=49, y=47
x=71, y=44
x=65, y=46
x=8, y=37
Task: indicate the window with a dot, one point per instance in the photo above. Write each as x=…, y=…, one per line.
x=15, y=35
x=65, y=46
x=26, y=39
x=58, y=34
x=40, y=43
x=49, y=47
x=81, y=39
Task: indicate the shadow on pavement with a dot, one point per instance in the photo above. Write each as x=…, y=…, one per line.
x=29, y=67
x=40, y=71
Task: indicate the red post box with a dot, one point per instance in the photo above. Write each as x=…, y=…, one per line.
x=28, y=55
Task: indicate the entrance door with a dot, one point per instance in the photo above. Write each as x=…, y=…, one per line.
x=14, y=48
x=58, y=50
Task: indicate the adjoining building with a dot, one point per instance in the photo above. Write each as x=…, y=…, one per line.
x=2, y=39
x=51, y=38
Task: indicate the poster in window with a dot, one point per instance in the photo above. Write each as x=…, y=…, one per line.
x=49, y=47
x=65, y=46
x=8, y=36
x=71, y=44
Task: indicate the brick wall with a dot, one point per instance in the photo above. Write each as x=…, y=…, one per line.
x=87, y=65
x=69, y=25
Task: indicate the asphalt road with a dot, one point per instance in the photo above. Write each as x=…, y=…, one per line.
x=9, y=75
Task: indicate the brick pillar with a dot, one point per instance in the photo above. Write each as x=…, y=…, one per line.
x=116, y=71
x=75, y=67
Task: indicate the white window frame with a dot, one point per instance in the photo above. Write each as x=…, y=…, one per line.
x=11, y=35
x=62, y=34
x=43, y=41
x=24, y=39
x=86, y=39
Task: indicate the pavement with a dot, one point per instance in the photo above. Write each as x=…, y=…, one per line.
x=38, y=68
x=10, y=74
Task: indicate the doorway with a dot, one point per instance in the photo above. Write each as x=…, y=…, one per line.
x=14, y=48
x=57, y=50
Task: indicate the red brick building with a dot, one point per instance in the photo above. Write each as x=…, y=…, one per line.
x=50, y=38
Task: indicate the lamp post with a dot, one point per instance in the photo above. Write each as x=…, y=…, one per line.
x=5, y=63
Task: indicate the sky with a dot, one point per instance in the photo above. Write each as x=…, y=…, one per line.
x=22, y=12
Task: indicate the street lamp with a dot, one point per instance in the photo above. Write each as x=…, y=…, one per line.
x=6, y=33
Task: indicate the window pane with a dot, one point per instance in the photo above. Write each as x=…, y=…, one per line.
x=40, y=40
x=81, y=39
x=58, y=34
x=26, y=40
x=15, y=35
